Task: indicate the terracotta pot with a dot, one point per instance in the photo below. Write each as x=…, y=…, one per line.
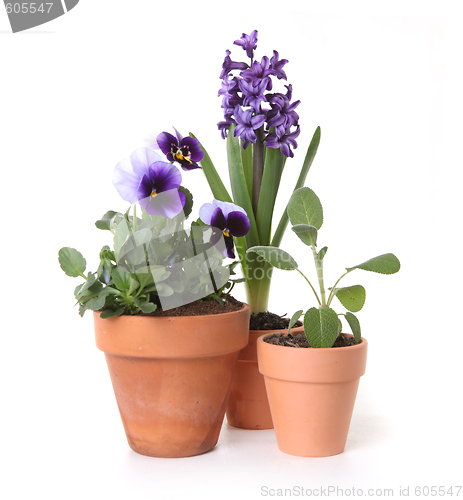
x=171, y=377
x=248, y=403
x=312, y=395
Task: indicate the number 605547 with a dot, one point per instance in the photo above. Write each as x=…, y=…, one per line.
x=28, y=8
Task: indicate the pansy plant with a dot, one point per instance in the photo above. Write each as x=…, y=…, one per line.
x=261, y=127
x=156, y=262
x=322, y=325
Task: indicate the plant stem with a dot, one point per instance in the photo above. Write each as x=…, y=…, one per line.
x=257, y=168
x=332, y=293
x=313, y=289
x=319, y=267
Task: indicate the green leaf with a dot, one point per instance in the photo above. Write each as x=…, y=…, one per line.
x=213, y=178
x=105, y=222
x=351, y=297
x=354, y=326
x=321, y=326
x=148, y=307
x=304, y=207
x=311, y=152
x=110, y=314
x=307, y=234
x=95, y=304
x=246, y=158
x=276, y=257
x=121, y=279
x=71, y=262
x=188, y=201
x=383, y=264
x=322, y=253
x=294, y=319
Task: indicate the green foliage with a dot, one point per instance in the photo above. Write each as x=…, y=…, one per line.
x=321, y=326
x=307, y=234
x=351, y=297
x=383, y=264
x=304, y=207
x=355, y=327
x=294, y=319
x=71, y=262
x=276, y=257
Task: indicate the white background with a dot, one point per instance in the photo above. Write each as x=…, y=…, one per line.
x=383, y=80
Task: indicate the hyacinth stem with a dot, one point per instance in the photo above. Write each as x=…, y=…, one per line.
x=257, y=168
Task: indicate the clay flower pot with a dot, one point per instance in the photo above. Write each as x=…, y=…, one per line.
x=311, y=394
x=171, y=377
x=248, y=406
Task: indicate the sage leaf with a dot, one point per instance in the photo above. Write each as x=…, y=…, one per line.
x=321, y=326
x=354, y=326
x=304, y=207
x=294, y=319
x=72, y=262
x=383, y=264
x=322, y=253
x=351, y=297
x=307, y=234
x=276, y=257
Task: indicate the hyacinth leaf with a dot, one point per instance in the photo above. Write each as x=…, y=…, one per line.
x=311, y=152
x=351, y=297
x=354, y=326
x=307, y=234
x=213, y=178
x=273, y=169
x=322, y=253
x=321, y=326
x=72, y=262
x=294, y=319
x=188, y=201
x=105, y=222
x=383, y=264
x=304, y=207
x=239, y=187
x=276, y=257
x=246, y=158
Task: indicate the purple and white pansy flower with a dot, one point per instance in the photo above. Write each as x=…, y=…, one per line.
x=146, y=179
x=227, y=220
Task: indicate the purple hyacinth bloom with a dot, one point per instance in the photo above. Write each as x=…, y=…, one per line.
x=248, y=43
x=282, y=115
x=253, y=92
x=246, y=123
x=184, y=150
x=277, y=66
x=229, y=65
x=228, y=220
x=151, y=182
x=259, y=71
x=284, y=142
x=224, y=126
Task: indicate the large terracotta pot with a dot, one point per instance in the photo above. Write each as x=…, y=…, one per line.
x=311, y=394
x=171, y=377
x=248, y=403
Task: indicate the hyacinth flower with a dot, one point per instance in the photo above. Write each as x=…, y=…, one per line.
x=154, y=184
x=261, y=127
x=227, y=220
x=184, y=150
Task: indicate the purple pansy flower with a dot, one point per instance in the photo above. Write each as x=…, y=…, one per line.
x=184, y=150
x=145, y=179
x=229, y=219
x=246, y=123
x=248, y=43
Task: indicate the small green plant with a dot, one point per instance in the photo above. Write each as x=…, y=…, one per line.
x=322, y=325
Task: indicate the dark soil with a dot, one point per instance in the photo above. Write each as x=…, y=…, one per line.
x=269, y=321
x=300, y=340
x=200, y=308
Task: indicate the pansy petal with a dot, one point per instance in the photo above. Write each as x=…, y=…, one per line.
x=167, y=204
x=165, y=176
x=165, y=141
x=218, y=219
x=196, y=152
x=238, y=224
x=141, y=159
x=125, y=181
x=229, y=246
x=228, y=207
x=205, y=213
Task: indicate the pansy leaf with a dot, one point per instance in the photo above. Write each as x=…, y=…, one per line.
x=188, y=207
x=307, y=234
x=294, y=318
x=383, y=264
x=354, y=326
x=110, y=314
x=351, y=297
x=276, y=257
x=304, y=207
x=95, y=304
x=72, y=262
x=321, y=326
x=105, y=222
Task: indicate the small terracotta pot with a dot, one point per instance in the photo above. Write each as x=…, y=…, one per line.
x=248, y=406
x=311, y=394
x=171, y=377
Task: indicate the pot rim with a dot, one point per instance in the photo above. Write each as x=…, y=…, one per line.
x=363, y=340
